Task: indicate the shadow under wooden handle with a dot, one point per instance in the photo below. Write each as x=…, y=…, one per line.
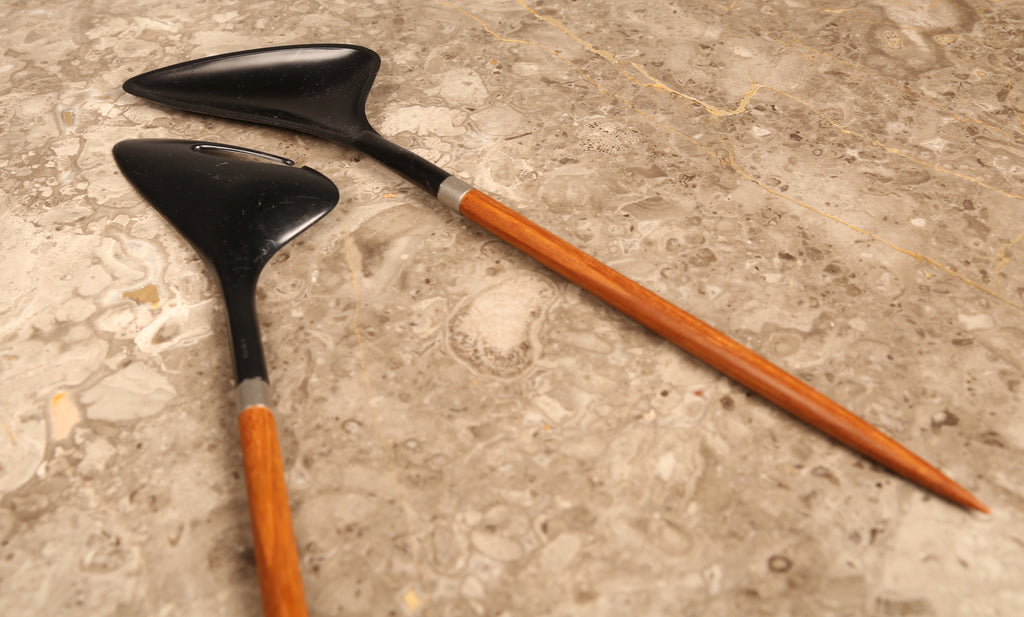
x=707, y=344
x=277, y=557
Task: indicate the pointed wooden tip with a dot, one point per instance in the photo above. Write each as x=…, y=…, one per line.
x=960, y=495
x=977, y=505
x=943, y=486
x=882, y=449
x=708, y=344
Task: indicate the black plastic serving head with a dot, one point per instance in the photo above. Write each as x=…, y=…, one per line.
x=233, y=205
x=317, y=89
x=237, y=207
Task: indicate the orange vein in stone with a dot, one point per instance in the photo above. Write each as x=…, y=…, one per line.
x=878, y=143
x=583, y=75
x=755, y=87
x=1005, y=72
x=993, y=292
x=607, y=55
x=731, y=163
x=877, y=75
x=654, y=82
x=893, y=149
x=794, y=41
x=484, y=25
x=742, y=105
x=497, y=36
x=586, y=78
x=917, y=256
x=1004, y=260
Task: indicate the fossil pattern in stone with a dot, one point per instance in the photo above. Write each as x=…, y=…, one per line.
x=495, y=332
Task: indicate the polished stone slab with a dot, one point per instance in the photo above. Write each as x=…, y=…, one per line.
x=837, y=185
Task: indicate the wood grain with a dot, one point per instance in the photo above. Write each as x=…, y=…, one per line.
x=709, y=345
x=277, y=557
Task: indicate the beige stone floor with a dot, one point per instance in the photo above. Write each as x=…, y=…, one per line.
x=839, y=185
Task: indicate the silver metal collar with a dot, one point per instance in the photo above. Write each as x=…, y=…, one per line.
x=251, y=392
x=451, y=192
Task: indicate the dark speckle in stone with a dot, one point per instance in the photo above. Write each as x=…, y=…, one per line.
x=779, y=563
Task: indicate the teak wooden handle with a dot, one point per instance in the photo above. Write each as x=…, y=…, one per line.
x=707, y=344
x=277, y=557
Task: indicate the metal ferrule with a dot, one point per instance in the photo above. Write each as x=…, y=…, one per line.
x=252, y=392
x=451, y=192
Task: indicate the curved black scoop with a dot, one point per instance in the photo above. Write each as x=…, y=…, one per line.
x=315, y=89
x=236, y=208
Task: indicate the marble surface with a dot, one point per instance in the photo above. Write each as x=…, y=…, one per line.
x=839, y=185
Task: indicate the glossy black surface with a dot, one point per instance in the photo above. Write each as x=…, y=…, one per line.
x=236, y=208
x=316, y=89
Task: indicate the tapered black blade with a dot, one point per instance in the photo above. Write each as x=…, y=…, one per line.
x=236, y=209
x=317, y=89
